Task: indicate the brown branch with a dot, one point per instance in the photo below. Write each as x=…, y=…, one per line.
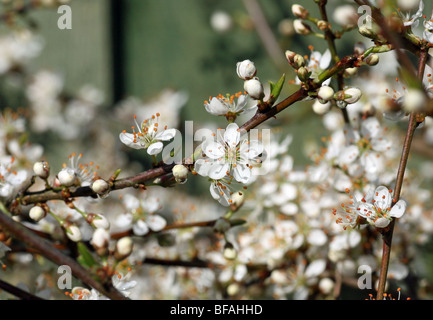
x=17, y=292
x=46, y=248
x=387, y=235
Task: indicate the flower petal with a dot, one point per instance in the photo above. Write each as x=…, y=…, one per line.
x=232, y=135
x=398, y=209
x=216, y=107
x=140, y=228
x=128, y=139
x=155, y=148
x=156, y=222
x=382, y=198
x=218, y=171
x=382, y=222
x=214, y=150
x=166, y=135
x=242, y=173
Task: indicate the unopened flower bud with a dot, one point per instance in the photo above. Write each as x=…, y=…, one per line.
x=303, y=74
x=322, y=25
x=290, y=55
x=299, y=11
x=233, y=289
x=326, y=285
x=298, y=61
x=349, y=72
x=414, y=100
x=246, y=69
x=100, y=186
x=123, y=248
x=321, y=108
x=352, y=95
x=180, y=173
x=229, y=252
x=37, y=213
x=254, y=88
x=325, y=93
x=73, y=232
x=236, y=201
x=372, y=59
x=301, y=27
x=66, y=177
x=98, y=221
x=100, y=240
x=41, y=169
x=367, y=32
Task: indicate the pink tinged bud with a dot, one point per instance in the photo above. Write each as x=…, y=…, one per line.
x=41, y=169
x=254, y=88
x=372, y=59
x=299, y=11
x=301, y=27
x=98, y=221
x=37, y=213
x=66, y=177
x=290, y=55
x=246, y=69
x=303, y=74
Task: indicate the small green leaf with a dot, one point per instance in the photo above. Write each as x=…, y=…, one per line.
x=276, y=87
x=237, y=222
x=85, y=258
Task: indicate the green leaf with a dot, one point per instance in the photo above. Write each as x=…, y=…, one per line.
x=276, y=87
x=85, y=257
x=237, y=222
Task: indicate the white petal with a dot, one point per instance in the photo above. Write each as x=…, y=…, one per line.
x=155, y=148
x=202, y=166
x=325, y=60
x=382, y=222
x=232, y=135
x=382, y=198
x=128, y=139
x=214, y=150
x=370, y=127
x=218, y=170
x=156, y=222
x=241, y=173
x=398, y=209
x=348, y=154
x=315, y=268
x=216, y=107
x=166, y=135
x=140, y=228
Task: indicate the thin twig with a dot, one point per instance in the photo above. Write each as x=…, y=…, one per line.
x=387, y=235
x=265, y=33
x=17, y=292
